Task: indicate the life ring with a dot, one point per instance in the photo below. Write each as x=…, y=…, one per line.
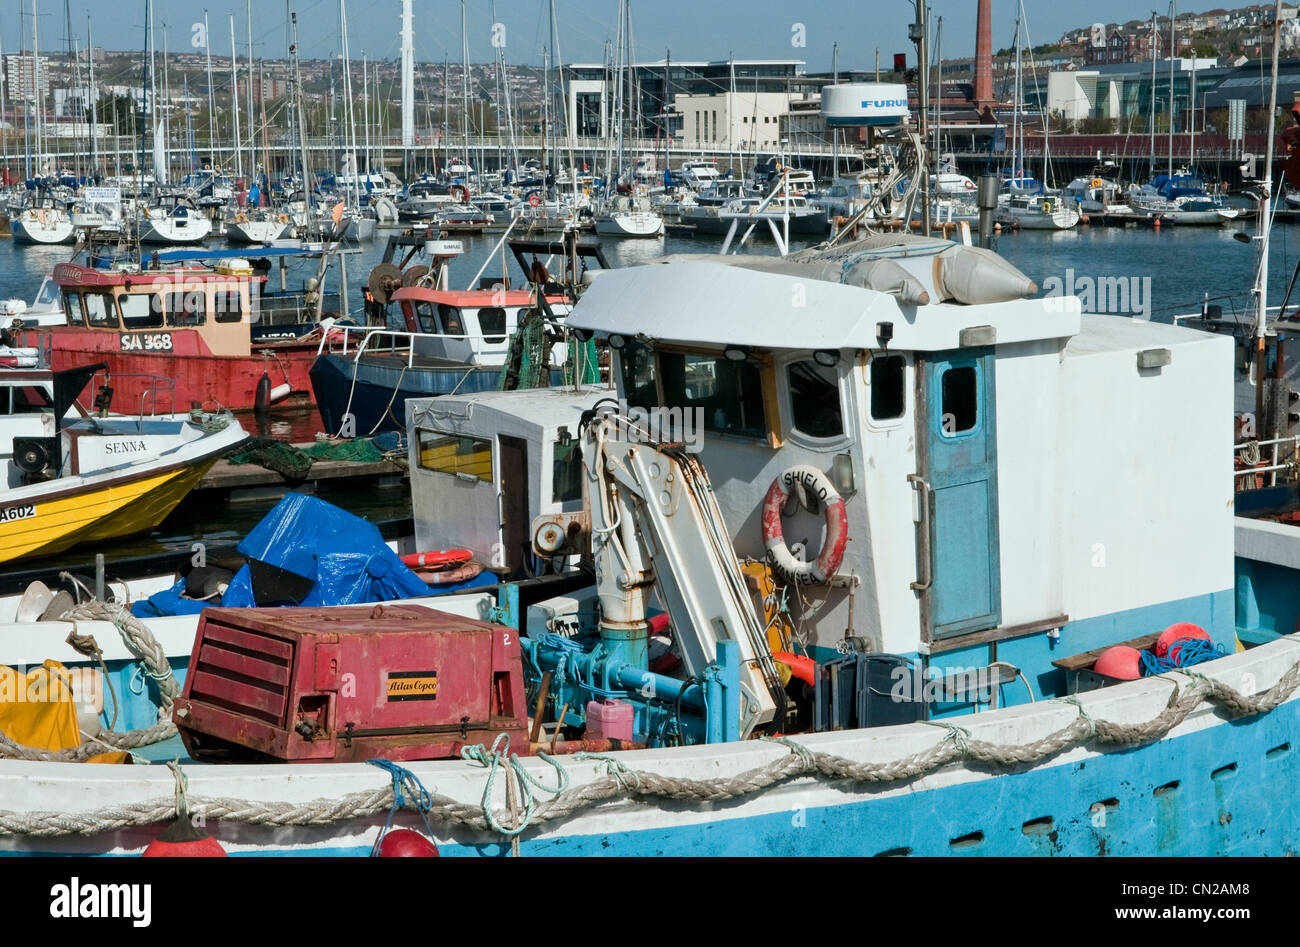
x=1045, y=207
x=283, y=218
x=969, y=185
x=534, y=200
x=438, y=559
x=837, y=527
x=1096, y=182
x=241, y=218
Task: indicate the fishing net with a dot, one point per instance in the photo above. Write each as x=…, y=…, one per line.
x=294, y=463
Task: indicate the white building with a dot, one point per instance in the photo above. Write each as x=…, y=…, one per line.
x=732, y=119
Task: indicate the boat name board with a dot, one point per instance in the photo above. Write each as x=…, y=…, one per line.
x=10, y=513
x=146, y=342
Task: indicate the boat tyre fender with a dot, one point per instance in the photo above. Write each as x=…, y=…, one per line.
x=816, y=483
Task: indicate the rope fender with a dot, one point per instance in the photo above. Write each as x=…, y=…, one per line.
x=956, y=746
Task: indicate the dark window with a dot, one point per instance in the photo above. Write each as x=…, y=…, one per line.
x=424, y=317
x=566, y=472
x=815, y=399
x=729, y=393
x=451, y=321
x=72, y=307
x=637, y=365
x=227, y=306
x=25, y=400
x=141, y=310
x=960, y=404
x=185, y=309
x=492, y=323
x=887, y=387
x=100, y=310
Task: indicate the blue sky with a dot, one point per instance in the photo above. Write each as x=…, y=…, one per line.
x=691, y=29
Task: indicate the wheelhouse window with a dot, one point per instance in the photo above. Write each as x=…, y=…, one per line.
x=424, y=317
x=492, y=323
x=185, y=309
x=100, y=311
x=637, y=366
x=566, y=472
x=888, y=387
x=227, y=306
x=24, y=399
x=959, y=391
x=815, y=399
x=72, y=307
x=141, y=310
x=729, y=393
x=469, y=458
x=450, y=317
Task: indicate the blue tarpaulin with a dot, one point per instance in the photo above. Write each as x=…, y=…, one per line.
x=343, y=557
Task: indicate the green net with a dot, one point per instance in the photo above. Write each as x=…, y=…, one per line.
x=294, y=463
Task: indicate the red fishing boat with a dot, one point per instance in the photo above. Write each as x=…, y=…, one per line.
x=175, y=335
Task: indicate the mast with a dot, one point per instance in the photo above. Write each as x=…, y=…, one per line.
x=1172, y=46
x=212, y=105
x=297, y=106
x=1151, y=122
x=347, y=92
x=36, y=87
x=365, y=110
x=234, y=99
x=90, y=94
x=464, y=84
x=252, y=134
x=1265, y=221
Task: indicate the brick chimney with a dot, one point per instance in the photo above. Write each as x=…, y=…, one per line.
x=984, y=61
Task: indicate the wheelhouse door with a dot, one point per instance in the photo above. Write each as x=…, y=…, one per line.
x=959, y=491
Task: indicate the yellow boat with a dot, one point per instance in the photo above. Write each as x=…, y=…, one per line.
x=73, y=477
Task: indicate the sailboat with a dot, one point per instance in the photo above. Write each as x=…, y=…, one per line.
x=1024, y=202
x=624, y=215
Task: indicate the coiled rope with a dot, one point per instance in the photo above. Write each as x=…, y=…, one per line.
x=956, y=746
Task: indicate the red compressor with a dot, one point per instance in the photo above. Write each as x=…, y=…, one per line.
x=349, y=683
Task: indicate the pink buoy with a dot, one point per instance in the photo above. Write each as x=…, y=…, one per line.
x=1120, y=662
x=1182, y=629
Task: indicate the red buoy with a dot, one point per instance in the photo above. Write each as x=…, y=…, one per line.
x=1183, y=629
x=1120, y=662
x=182, y=839
x=405, y=843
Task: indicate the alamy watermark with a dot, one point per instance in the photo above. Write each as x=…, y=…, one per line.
x=658, y=425
x=1112, y=295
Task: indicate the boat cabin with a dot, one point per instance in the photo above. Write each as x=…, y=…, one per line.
x=1022, y=482
x=484, y=466
x=186, y=310
x=469, y=326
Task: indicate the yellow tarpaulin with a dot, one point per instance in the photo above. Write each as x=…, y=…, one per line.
x=37, y=709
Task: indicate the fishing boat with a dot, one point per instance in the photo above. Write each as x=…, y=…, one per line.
x=192, y=327
x=73, y=479
x=450, y=341
x=948, y=589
